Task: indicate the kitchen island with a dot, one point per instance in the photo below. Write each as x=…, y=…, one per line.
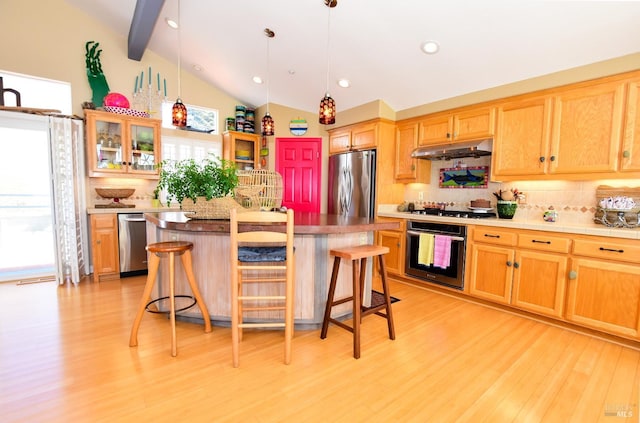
x=314, y=235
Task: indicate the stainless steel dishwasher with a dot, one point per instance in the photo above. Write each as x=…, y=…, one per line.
x=132, y=238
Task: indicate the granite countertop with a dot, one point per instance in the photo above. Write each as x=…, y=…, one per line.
x=118, y=210
x=562, y=225
x=305, y=223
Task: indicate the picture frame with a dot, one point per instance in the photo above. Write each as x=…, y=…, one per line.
x=464, y=177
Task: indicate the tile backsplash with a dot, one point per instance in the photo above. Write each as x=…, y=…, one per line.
x=141, y=197
x=575, y=200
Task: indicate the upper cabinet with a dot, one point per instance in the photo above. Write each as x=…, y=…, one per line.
x=587, y=129
x=242, y=148
x=406, y=168
x=465, y=125
x=120, y=145
x=523, y=137
x=573, y=132
x=630, y=156
x=362, y=136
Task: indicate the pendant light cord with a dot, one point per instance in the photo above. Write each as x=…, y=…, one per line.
x=179, y=51
x=268, y=78
x=328, y=44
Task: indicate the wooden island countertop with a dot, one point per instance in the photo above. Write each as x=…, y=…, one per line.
x=314, y=236
x=305, y=223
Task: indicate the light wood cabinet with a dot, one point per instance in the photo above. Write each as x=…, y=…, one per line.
x=630, y=156
x=526, y=270
x=104, y=246
x=242, y=148
x=408, y=169
x=604, y=285
x=523, y=138
x=460, y=126
x=396, y=241
x=540, y=273
x=121, y=145
x=361, y=136
x=587, y=129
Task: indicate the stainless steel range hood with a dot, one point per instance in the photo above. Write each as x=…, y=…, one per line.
x=454, y=151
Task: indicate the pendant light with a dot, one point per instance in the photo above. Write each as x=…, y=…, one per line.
x=268, y=126
x=327, y=104
x=179, y=110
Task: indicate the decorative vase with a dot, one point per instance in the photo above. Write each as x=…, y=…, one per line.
x=506, y=209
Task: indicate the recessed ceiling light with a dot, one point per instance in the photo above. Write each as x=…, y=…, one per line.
x=292, y=71
x=173, y=24
x=257, y=80
x=344, y=83
x=430, y=47
x=197, y=67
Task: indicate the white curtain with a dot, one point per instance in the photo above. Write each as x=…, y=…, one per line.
x=68, y=192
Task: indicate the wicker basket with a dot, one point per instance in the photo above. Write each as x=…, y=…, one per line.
x=216, y=208
x=259, y=189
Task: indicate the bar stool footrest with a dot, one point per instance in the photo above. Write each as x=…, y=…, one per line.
x=188, y=306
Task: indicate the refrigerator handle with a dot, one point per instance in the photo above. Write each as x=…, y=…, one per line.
x=349, y=190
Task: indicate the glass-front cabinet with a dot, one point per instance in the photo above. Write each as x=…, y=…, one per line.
x=122, y=145
x=242, y=148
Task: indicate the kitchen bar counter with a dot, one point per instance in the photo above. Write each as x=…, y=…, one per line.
x=562, y=225
x=315, y=235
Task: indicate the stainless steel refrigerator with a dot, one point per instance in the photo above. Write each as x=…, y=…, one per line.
x=352, y=179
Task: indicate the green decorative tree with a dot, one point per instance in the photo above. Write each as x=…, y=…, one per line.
x=96, y=78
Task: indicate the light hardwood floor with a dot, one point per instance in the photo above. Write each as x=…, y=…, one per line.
x=64, y=357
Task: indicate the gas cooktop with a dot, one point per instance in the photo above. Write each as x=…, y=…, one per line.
x=467, y=214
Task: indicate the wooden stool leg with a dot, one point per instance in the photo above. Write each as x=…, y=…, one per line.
x=187, y=264
x=387, y=298
x=154, y=262
x=235, y=319
x=172, y=302
x=363, y=274
x=332, y=290
x=288, y=314
x=357, y=308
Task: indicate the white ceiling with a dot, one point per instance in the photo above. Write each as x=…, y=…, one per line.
x=376, y=44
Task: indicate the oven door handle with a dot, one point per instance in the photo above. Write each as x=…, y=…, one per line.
x=453, y=238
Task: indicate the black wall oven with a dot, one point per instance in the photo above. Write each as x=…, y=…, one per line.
x=451, y=276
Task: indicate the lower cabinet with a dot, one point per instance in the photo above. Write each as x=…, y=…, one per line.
x=395, y=240
x=104, y=246
x=523, y=269
x=604, y=285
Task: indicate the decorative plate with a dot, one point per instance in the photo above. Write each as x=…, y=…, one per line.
x=123, y=111
x=481, y=209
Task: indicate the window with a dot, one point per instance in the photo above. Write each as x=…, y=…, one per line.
x=37, y=92
x=199, y=119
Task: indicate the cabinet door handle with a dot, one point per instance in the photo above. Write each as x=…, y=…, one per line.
x=541, y=159
x=552, y=158
x=516, y=265
x=448, y=135
x=626, y=154
x=509, y=263
x=98, y=242
x=573, y=275
x=611, y=250
x=541, y=242
x=491, y=236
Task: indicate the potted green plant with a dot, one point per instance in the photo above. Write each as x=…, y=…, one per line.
x=193, y=183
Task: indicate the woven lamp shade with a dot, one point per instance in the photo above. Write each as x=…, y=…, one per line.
x=327, y=110
x=179, y=114
x=268, y=126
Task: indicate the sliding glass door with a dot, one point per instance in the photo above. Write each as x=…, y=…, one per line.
x=26, y=225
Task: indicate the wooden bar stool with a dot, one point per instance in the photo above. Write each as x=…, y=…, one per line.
x=171, y=249
x=378, y=303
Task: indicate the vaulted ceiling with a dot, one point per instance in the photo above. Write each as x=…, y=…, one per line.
x=375, y=44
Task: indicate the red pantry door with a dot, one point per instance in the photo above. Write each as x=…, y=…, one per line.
x=298, y=161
